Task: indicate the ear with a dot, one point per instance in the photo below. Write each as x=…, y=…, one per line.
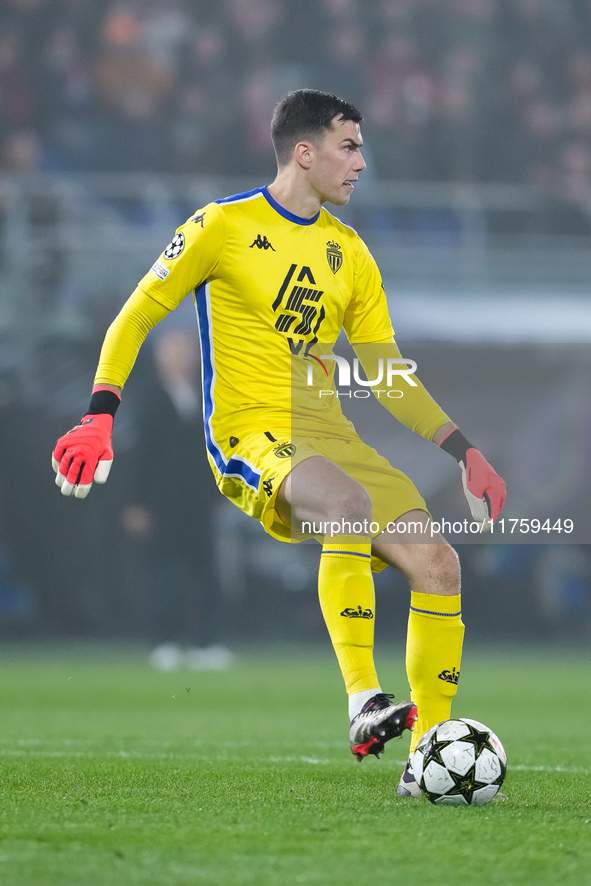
x=303, y=153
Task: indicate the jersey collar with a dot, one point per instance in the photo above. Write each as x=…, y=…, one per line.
x=298, y=220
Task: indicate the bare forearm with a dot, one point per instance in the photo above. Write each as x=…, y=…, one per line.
x=443, y=431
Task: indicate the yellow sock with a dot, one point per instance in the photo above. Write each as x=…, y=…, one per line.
x=433, y=655
x=347, y=600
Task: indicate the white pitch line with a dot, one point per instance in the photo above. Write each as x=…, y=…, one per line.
x=569, y=770
x=172, y=755
x=312, y=761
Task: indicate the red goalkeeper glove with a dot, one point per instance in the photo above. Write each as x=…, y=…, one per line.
x=483, y=488
x=85, y=453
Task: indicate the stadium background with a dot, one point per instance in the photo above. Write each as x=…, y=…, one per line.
x=117, y=120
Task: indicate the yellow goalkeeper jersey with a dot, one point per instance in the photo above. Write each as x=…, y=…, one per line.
x=272, y=291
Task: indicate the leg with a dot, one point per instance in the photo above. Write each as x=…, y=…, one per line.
x=320, y=492
x=435, y=628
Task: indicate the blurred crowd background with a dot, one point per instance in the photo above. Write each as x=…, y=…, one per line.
x=461, y=90
x=120, y=119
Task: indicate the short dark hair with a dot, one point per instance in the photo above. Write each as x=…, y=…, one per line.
x=306, y=114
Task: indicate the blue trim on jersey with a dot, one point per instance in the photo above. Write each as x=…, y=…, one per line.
x=236, y=466
x=237, y=198
x=339, y=220
x=208, y=374
x=249, y=195
x=284, y=212
x=428, y=612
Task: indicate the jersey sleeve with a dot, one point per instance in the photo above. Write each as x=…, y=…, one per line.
x=366, y=318
x=189, y=259
x=415, y=409
x=369, y=329
x=125, y=336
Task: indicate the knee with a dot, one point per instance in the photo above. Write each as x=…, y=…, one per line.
x=443, y=573
x=350, y=502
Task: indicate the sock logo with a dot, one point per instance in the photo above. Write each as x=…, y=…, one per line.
x=450, y=676
x=357, y=613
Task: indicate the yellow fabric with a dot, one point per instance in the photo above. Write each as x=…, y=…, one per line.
x=415, y=408
x=269, y=289
x=392, y=493
x=433, y=656
x=272, y=293
x=125, y=336
x=347, y=599
x=267, y=292
x=271, y=458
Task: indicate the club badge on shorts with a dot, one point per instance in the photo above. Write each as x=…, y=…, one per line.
x=284, y=450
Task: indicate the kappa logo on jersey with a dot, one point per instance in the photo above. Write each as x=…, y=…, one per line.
x=268, y=486
x=176, y=246
x=160, y=271
x=334, y=256
x=357, y=613
x=198, y=220
x=261, y=243
x=284, y=450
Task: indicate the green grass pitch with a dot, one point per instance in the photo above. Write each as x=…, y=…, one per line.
x=114, y=774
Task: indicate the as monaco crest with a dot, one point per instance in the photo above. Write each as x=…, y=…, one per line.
x=334, y=256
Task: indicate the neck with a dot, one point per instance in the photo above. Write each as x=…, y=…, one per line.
x=294, y=194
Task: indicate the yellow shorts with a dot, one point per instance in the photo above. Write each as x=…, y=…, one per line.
x=273, y=457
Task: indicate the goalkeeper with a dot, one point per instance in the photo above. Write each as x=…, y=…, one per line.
x=273, y=275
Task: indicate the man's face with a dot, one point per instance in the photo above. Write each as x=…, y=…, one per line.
x=337, y=162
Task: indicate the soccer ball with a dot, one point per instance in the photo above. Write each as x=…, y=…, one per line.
x=459, y=763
